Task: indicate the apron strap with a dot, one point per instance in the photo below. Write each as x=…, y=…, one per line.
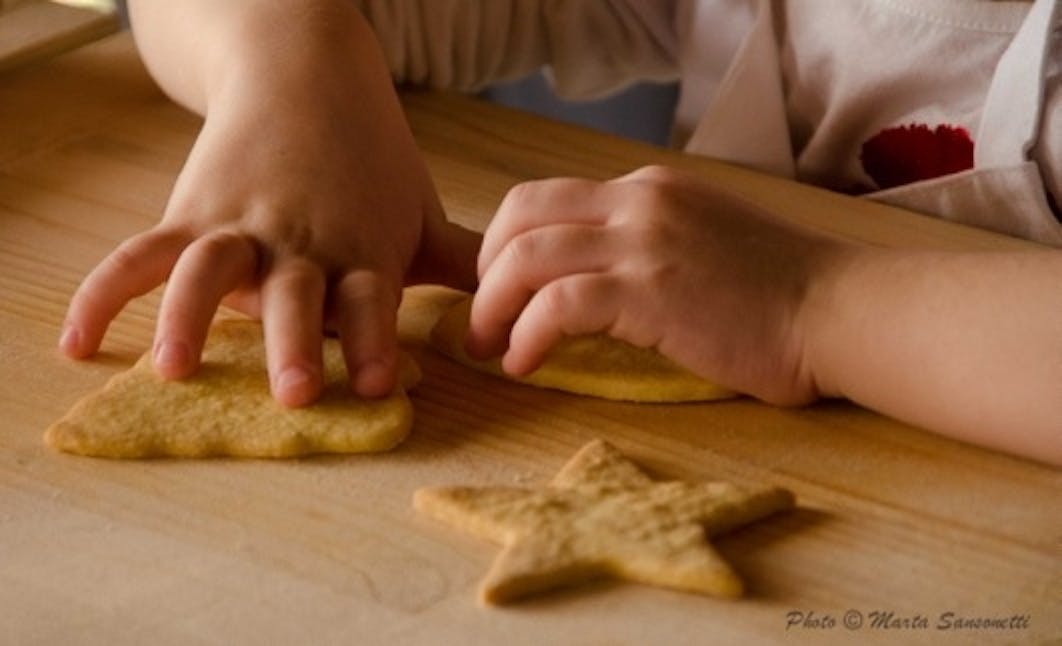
x=1010, y=121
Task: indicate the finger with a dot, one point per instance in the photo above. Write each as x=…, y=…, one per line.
x=534, y=204
x=134, y=268
x=208, y=268
x=447, y=252
x=247, y=300
x=527, y=263
x=660, y=175
x=292, y=309
x=579, y=304
x=365, y=307
x=447, y=256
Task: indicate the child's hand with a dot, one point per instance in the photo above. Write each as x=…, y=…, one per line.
x=657, y=258
x=306, y=209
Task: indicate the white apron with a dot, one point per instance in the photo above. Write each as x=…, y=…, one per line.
x=1003, y=192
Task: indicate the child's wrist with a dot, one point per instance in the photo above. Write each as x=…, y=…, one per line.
x=289, y=62
x=826, y=308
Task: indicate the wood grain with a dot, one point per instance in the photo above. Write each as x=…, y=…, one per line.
x=35, y=30
x=328, y=550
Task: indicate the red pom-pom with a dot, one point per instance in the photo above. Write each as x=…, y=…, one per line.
x=905, y=154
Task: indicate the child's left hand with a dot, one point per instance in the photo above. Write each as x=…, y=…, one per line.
x=657, y=258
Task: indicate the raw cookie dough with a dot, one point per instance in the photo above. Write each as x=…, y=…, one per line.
x=226, y=409
x=595, y=365
x=602, y=516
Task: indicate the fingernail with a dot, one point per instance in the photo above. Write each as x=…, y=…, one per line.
x=171, y=354
x=70, y=339
x=292, y=381
x=516, y=366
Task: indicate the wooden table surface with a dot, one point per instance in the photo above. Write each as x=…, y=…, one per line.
x=33, y=30
x=891, y=519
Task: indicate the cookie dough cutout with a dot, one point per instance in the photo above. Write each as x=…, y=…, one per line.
x=601, y=516
x=595, y=365
x=226, y=409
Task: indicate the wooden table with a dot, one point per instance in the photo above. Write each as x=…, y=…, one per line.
x=891, y=519
x=35, y=29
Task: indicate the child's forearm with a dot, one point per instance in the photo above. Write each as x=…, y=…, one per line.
x=966, y=344
x=202, y=51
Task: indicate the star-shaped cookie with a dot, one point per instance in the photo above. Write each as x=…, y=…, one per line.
x=602, y=516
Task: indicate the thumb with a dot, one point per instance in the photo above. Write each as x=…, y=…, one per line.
x=447, y=256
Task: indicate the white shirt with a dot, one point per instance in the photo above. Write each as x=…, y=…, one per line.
x=842, y=71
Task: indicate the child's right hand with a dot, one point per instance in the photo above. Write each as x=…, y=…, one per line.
x=307, y=205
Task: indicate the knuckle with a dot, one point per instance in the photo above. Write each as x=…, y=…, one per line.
x=363, y=285
x=654, y=173
x=539, y=191
x=297, y=277
x=659, y=276
x=561, y=296
x=520, y=195
x=125, y=258
x=555, y=299
x=655, y=257
x=656, y=236
x=213, y=246
x=522, y=249
x=282, y=227
x=647, y=233
x=658, y=198
x=651, y=207
x=129, y=257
